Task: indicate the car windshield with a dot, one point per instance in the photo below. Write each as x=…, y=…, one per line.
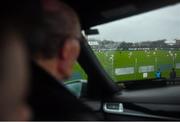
x=144, y=46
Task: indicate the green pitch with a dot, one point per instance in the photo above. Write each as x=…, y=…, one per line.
x=111, y=60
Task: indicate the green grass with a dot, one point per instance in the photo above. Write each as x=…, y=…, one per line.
x=123, y=60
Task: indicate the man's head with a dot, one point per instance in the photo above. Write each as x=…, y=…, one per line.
x=54, y=43
x=13, y=77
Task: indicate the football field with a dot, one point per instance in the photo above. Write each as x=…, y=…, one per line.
x=134, y=65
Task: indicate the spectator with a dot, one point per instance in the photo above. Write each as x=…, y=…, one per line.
x=172, y=75
x=158, y=74
x=55, y=45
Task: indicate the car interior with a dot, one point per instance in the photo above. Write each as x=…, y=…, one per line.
x=145, y=99
x=127, y=80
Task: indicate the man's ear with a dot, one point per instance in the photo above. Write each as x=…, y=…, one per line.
x=70, y=50
x=66, y=51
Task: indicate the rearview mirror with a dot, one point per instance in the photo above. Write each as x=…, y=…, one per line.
x=92, y=32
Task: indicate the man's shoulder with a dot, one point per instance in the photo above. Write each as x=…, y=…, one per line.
x=47, y=89
x=50, y=97
x=42, y=80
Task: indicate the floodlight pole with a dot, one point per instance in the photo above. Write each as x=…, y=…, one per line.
x=135, y=67
x=174, y=56
x=156, y=62
x=112, y=65
x=173, y=60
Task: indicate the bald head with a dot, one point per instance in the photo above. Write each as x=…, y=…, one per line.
x=58, y=22
x=61, y=17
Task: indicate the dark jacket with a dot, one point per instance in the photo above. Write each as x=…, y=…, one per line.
x=172, y=74
x=50, y=100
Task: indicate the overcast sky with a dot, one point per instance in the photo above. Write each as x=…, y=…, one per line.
x=158, y=24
